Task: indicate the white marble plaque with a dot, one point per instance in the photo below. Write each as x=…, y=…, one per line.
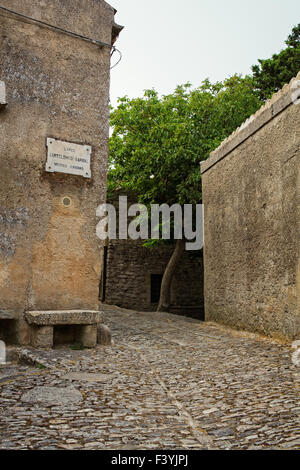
x=66, y=157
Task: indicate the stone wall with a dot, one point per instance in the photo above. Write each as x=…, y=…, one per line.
x=128, y=277
x=57, y=85
x=128, y=270
x=251, y=191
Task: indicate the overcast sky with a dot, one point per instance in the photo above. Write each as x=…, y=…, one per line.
x=169, y=42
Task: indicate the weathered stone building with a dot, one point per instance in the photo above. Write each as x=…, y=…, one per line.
x=251, y=191
x=57, y=89
x=132, y=276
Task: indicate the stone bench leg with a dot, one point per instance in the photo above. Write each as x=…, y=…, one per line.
x=104, y=335
x=88, y=336
x=23, y=332
x=42, y=336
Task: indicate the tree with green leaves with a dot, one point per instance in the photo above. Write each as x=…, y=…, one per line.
x=271, y=74
x=158, y=143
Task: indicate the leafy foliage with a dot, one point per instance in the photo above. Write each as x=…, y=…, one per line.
x=271, y=74
x=158, y=142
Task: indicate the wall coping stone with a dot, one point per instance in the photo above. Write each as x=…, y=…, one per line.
x=275, y=105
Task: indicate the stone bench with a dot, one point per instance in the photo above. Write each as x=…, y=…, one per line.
x=42, y=326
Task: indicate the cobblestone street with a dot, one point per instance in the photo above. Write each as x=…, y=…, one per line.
x=168, y=382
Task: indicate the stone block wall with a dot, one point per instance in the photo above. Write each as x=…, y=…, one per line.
x=128, y=277
x=251, y=192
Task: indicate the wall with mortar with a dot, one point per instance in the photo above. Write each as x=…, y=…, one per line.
x=57, y=86
x=128, y=276
x=251, y=191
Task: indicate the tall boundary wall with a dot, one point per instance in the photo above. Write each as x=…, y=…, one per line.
x=251, y=194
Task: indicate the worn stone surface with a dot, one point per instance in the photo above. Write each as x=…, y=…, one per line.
x=64, y=317
x=41, y=336
x=88, y=335
x=252, y=226
x=169, y=382
x=7, y=315
x=87, y=377
x=104, y=335
x=52, y=396
x=57, y=86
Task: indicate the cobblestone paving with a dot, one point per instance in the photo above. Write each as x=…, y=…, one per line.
x=168, y=382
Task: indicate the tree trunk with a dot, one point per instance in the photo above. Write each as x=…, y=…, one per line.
x=165, y=291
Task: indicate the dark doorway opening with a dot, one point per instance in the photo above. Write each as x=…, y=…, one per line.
x=156, y=280
x=8, y=331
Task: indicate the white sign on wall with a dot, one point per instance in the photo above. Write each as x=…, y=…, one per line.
x=66, y=157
